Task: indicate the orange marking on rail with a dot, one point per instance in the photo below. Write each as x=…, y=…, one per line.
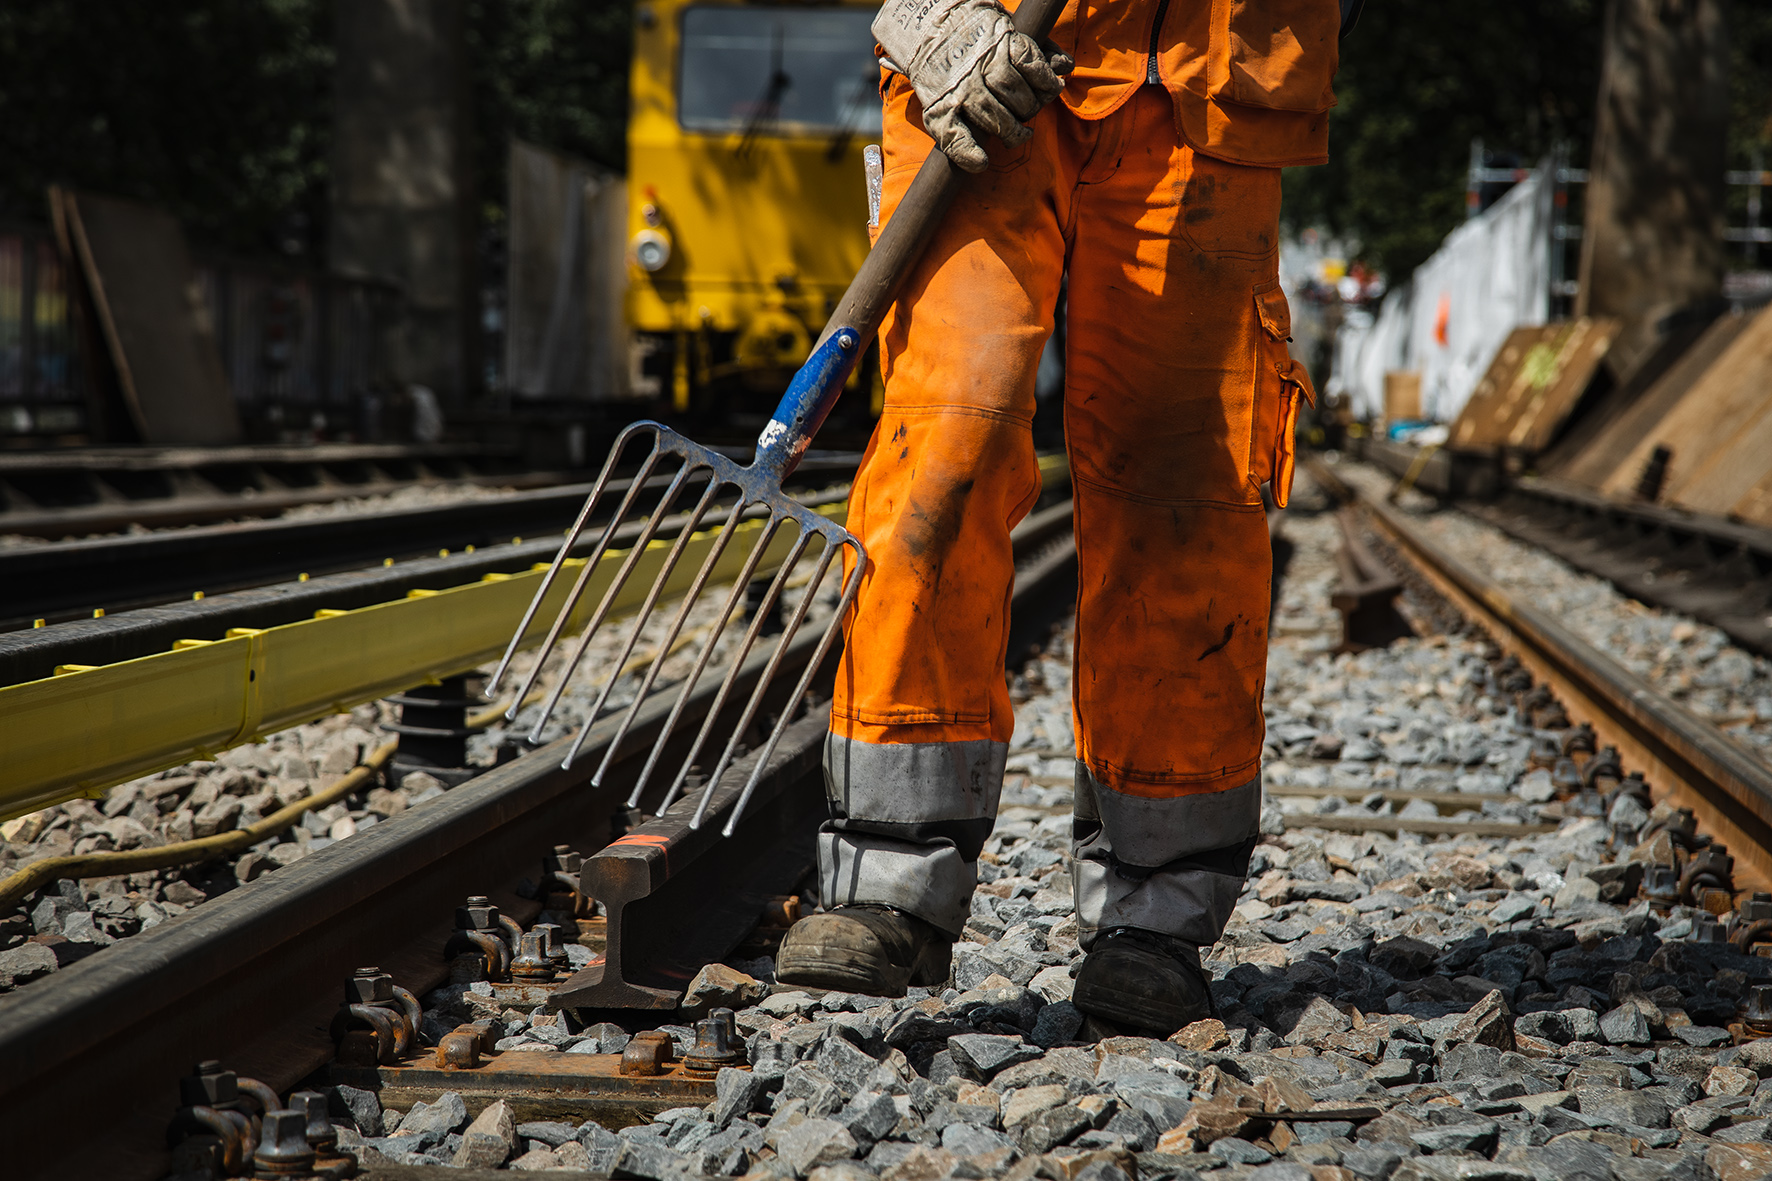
x=662, y=844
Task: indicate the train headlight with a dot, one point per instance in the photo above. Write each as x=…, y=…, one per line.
x=652, y=250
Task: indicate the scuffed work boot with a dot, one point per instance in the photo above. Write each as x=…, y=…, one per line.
x=1142, y=979
x=873, y=950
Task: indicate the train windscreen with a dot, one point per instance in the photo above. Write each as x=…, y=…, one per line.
x=775, y=71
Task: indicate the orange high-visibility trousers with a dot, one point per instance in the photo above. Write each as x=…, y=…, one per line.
x=1179, y=403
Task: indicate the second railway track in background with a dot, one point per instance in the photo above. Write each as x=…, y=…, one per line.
x=1728, y=788
x=73, y=579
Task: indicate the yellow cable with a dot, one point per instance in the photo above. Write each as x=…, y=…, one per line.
x=38, y=874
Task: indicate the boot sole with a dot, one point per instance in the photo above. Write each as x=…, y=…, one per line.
x=840, y=970
x=1110, y=1005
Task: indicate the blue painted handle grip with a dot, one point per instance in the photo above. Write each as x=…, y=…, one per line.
x=807, y=403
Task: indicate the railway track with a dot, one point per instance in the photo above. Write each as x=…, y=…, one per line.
x=1710, y=568
x=73, y=580
x=1444, y=1064
x=60, y=494
x=1727, y=788
x=253, y=977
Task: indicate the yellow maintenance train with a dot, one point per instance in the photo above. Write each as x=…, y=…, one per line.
x=747, y=197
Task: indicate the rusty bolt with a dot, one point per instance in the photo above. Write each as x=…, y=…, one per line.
x=716, y=1044
x=1551, y=717
x=369, y=986
x=553, y=946
x=1710, y=868
x=1757, y=908
x=531, y=964
x=1603, y=766
x=1634, y=784
x=1661, y=886
x=209, y=1086
x=1706, y=929
x=1756, y=1009
x=478, y=915
x=565, y=859
x=283, y=1148
x=322, y=1136
x=1544, y=752
x=482, y=1030
x=1579, y=739
x=647, y=1053
x=459, y=1050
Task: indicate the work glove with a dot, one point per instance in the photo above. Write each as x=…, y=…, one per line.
x=974, y=73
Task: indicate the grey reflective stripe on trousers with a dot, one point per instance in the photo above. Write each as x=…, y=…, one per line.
x=914, y=782
x=908, y=820
x=1174, y=866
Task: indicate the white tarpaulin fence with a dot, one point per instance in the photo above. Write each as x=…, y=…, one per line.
x=1490, y=276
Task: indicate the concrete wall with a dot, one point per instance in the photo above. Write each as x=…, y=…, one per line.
x=402, y=200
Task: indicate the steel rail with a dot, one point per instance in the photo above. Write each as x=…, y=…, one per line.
x=1687, y=758
x=252, y=977
x=73, y=578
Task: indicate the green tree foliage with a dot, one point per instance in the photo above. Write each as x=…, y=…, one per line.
x=1417, y=83
x=553, y=72
x=220, y=111
x=217, y=110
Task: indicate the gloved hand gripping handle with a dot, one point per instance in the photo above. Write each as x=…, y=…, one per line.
x=815, y=388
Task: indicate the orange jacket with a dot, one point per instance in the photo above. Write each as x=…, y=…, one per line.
x=1250, y=78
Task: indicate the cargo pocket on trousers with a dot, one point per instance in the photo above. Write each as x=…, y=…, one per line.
x=1279, y=383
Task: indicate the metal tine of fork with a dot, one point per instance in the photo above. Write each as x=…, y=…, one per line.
x=684, y=537
x=583, y=580
x=738, y=661
x=781, y=724
x=701, y=663
x=635, y=554
x=572, y=535
x=689, y=600
x=775, y=659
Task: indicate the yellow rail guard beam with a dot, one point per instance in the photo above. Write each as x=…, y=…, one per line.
x=89, y=728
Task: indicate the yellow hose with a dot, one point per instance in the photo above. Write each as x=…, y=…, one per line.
x=104, y=865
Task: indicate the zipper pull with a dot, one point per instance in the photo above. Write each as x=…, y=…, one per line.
x=1152, y=75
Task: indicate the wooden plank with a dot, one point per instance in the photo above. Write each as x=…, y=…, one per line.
x=1729, y=395
x=1535, y=380
x=155, y=322
x=1732, y=472
x=1483, y=418
x=1558, y=380
x=1611, y=448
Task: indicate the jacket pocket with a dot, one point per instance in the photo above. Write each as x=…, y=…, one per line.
x=1280, y=381
x=1278, y=54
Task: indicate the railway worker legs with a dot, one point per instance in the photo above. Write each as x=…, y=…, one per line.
x=1178, y=394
